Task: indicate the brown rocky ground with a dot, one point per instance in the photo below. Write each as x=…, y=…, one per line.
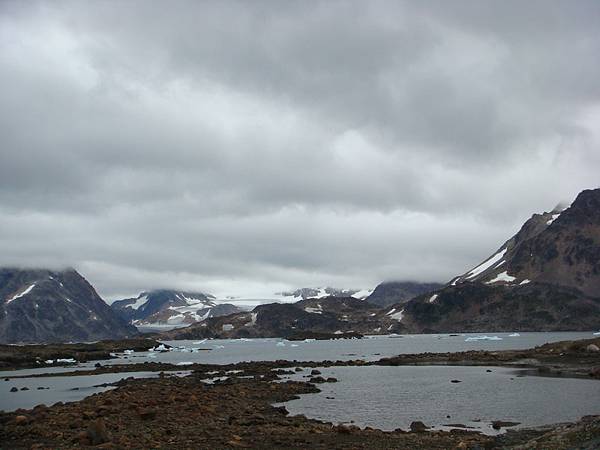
x=185, y=413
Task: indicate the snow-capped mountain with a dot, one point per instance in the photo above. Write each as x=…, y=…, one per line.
x=322, y=292
x=546, y=277
x=164, y=307
x=54, y=306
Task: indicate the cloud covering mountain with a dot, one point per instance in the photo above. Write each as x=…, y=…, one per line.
x=248, y=148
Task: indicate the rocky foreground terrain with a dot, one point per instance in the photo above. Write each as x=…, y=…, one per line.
x=181, y=413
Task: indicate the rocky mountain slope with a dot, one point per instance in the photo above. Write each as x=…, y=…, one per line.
x=329, y=315
x=395, y=292
x=169, y=307
x=38, y=306
x=546, y=277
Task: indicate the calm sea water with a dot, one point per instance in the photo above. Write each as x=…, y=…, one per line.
x=382, y=397
x=393, y=397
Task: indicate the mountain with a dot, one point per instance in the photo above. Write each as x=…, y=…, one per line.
x=38, y=306
x=170, y=307
x=545, y=278
x=395, y=292
x=321, y=292
x=328, y=315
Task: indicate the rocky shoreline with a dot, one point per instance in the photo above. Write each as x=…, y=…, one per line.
x=14, y=357
x=237, y=412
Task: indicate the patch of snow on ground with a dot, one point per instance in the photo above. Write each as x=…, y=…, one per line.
x=398, y=316
x=253, y=317
x=316, y=310
x=504, y=276
x=21, y=294
x=487, y=264
x=362, y=294
x=433, y=298
x=139, y=302
x=524, y=282
x=554, y=217
x=392, y=311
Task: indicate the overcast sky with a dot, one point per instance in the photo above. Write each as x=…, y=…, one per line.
x=242, y=148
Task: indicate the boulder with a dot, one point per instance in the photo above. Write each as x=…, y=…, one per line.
x=418, y=427
x=97, y=432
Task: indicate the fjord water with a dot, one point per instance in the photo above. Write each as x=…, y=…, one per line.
x=392, y=397
x=226, y=351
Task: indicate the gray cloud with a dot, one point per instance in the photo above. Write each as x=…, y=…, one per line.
x=234, y=146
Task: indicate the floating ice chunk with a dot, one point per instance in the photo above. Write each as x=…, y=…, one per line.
x=199, y=342
x=514, y=335
x=281, y=344
x=128, y=352
x=184, y=363
x=483, y=338
x=159, y=348
x=597, y=333
x=294, y=345
x=60, y=360
x=309, y=340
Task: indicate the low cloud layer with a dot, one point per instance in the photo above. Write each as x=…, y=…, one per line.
x=247, y=147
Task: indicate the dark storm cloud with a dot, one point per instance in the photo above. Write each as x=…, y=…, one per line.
x=236, y=146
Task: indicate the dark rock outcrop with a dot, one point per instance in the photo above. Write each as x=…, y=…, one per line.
x=397, y=292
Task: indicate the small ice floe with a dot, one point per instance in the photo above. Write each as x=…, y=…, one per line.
x=294, y=345
x=514, y=335
x=60, y=361
x=199, y=342
x=159, y=348
x=483, y=338
x=309, y=340
x=281, y=344
x=184, y=363
x=219, y=346
x=597, y=333
x=128, y=352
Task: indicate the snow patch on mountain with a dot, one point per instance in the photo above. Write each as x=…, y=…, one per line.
x=21, y=294
x=503, y=276
x=491, y=262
